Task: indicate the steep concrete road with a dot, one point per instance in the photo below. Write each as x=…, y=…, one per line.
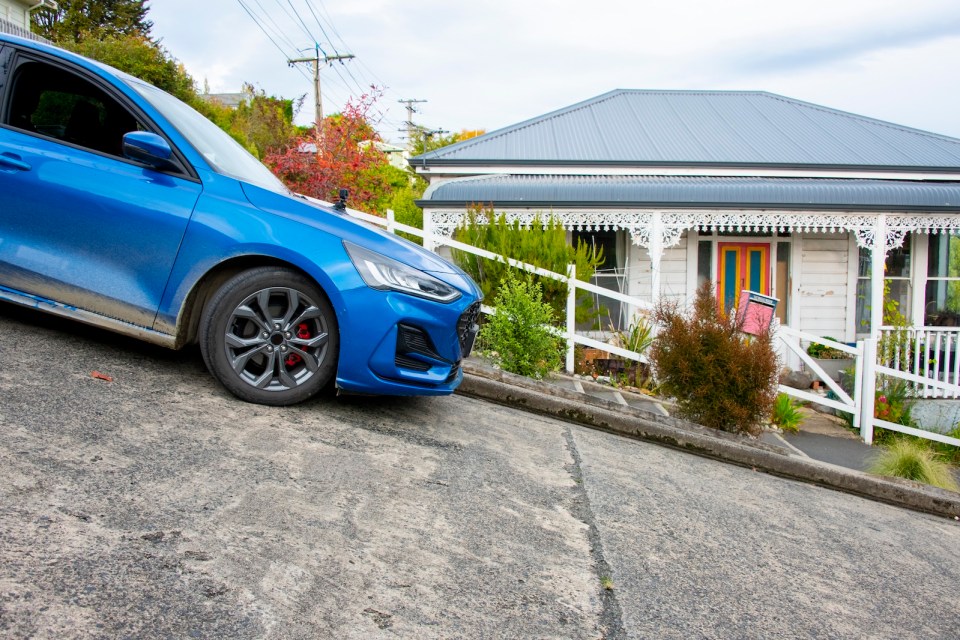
x=155, y=505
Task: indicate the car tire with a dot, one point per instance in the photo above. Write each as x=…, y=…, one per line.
x=270, y=336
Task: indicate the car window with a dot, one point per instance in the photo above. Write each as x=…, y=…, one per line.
x=58, y=104
x=223, y=153
x=6, y=61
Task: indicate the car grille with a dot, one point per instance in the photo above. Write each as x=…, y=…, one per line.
x=467, y=328
x=411, y=342
x=405, y=362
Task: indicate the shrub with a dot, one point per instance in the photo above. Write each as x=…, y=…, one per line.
x=518, y=333
x=823, y=352
x=892, y=402
x=906, y=458
x=720, y=377
x=786, y=413
x=638, y=336
x=543, y=245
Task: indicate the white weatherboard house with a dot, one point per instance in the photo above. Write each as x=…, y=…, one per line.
x=15, y=15
x=748, y=190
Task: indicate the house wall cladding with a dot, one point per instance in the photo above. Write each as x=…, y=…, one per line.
x=15, y=14
x=673, y=272
x=825, y=284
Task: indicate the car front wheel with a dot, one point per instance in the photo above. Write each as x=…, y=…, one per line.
x=270, y=336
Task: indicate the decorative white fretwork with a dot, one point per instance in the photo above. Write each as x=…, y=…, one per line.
x=672, y=223
x=866, y=238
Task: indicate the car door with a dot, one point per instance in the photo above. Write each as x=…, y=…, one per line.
x=79, y=223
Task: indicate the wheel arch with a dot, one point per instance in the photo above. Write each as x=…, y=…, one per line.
x=188, y=324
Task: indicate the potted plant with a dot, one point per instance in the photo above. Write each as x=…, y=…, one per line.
x=831, y=360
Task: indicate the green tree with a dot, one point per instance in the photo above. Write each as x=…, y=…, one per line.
x=76, y=20
x=262, y=123
x=403, y=201
x=138, y=56
x=426, y=140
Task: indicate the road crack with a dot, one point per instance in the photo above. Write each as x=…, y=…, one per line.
x=611, y=615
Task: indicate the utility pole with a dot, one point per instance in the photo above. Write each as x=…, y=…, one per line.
x=427, y=134
x=409, y=102
x=316, y=59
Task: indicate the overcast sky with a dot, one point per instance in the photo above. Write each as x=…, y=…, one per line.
x=486, y=65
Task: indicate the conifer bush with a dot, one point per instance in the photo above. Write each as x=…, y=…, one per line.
x=720, y=377
x=543, y=245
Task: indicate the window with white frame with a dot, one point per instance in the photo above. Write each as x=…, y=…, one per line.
x=897, y=285
x=942, y=296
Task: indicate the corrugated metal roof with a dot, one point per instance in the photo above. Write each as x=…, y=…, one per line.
x=684, y=191
x=704, y=127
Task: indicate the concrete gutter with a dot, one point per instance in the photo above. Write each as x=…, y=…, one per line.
x=487, y=383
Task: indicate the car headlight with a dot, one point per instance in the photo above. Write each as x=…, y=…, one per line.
x=381, y=272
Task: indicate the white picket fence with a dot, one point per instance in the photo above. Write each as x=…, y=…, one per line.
x=860, y=405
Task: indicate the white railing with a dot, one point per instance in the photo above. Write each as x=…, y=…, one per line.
x=866, y=369
x=569, y=334
x=928, y=352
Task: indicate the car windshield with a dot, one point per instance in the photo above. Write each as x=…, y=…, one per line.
x=223, y=153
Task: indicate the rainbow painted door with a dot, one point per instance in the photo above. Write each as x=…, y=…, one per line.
x=741, y=265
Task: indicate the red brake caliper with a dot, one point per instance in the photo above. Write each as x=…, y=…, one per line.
x=303, y=332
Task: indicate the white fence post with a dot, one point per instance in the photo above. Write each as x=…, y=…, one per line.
x=571, y=314
x=859, y=367
x=391, y=221
x=429, y=229
x=867, y=389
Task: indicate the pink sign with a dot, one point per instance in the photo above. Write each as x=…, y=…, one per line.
x=755, y=312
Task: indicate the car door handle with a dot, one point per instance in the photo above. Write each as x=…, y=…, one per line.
x=13, y=161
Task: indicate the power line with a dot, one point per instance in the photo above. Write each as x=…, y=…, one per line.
x=257, y=22
x=268, y=16
x=409, y=102
x=316, y=77
x=295, y=18
x=322, y=30
x=345, y=80
x=363, y=65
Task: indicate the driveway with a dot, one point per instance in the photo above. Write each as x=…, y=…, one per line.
x=155, y=505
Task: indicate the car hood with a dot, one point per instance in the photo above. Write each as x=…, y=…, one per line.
x=314, y=213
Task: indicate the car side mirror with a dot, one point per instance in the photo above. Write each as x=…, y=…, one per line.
x=148, y=148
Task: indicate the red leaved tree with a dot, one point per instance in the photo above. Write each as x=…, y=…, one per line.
x=342, y=155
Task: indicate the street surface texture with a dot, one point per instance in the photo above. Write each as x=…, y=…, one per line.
x=155, y=505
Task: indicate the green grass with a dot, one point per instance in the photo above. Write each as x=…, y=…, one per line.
x=908, y=459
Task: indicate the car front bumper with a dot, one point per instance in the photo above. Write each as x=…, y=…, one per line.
x=396, y=344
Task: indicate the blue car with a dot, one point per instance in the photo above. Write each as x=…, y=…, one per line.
x=124, y=208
